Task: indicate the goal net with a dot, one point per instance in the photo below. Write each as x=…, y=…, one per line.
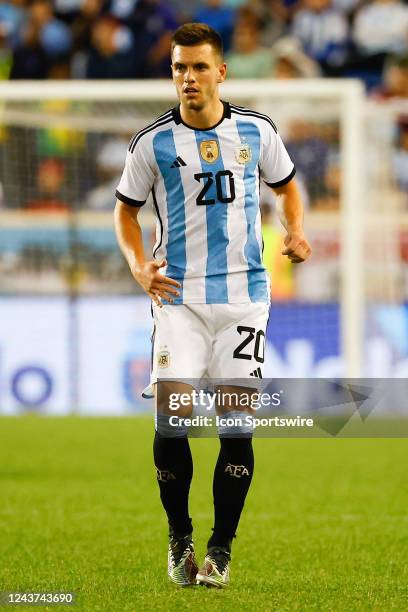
x=78, y=325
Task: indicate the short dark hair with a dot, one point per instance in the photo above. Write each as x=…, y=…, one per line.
x=191, y=34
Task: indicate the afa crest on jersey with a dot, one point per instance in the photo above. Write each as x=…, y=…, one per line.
x=243, y=154
x=209, y=150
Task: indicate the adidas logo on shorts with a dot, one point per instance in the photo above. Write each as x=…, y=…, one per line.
x=256, y=373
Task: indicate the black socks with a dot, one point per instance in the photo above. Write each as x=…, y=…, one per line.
x=232, y=478
x=174, y=465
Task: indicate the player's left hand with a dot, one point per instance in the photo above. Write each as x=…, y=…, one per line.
x=297, y=247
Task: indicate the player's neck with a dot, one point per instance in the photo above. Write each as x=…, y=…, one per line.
x=205, y=118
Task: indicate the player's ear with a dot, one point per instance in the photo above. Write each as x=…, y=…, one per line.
x=222, y=73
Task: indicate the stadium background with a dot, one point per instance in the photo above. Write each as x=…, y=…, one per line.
x=74, y=327
x=325, y=524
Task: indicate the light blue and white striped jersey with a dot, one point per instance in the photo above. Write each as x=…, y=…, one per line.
x=205, y=186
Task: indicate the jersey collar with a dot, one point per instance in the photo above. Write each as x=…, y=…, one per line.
x=226, y=115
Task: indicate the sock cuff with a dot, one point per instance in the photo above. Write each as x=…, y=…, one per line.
x=235, y=424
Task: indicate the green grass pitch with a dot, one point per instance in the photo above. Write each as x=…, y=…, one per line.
x=325, y=526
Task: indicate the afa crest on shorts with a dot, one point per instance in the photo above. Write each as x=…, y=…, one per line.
x=243, y=153
x=209, y=151
x=163, y=359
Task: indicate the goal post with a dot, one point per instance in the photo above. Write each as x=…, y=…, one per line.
x=352, y=248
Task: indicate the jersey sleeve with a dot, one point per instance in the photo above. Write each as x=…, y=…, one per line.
x=138, y=175
x=276, y=167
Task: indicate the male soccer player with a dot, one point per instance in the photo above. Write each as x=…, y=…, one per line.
x=203, y=161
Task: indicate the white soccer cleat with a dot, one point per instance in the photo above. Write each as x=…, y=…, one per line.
x=182, y=566
x=216, y=571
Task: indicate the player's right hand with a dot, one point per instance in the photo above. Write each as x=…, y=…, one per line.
x=156, y=285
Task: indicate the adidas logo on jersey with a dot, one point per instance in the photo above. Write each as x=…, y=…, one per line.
x=256, y=373
x=179, y=161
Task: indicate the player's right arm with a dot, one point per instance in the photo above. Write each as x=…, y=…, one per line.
x=278, y=171
x=145, y=272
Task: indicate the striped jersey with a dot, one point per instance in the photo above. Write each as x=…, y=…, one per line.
x=205, y=186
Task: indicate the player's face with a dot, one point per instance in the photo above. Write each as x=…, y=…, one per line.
x=197, y=71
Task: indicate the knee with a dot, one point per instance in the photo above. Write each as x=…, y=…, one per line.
x=170, y=426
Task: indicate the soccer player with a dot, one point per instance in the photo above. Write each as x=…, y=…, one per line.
x=203, y=162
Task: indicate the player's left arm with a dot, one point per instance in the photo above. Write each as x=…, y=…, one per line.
x=290, y=209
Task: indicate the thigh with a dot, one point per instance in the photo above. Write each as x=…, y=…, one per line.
x=239, y=347
x=181, y=344
x=172, y=398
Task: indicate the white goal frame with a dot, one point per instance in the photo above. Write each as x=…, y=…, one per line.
x=349, y=93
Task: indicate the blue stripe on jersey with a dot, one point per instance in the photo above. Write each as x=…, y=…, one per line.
x=165, y=154
x=257, y=285
x=216, y=291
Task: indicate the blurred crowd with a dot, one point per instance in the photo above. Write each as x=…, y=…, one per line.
x=53, y=167
x=262, y=38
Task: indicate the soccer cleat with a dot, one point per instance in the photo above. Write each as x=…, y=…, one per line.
x=182, y=566
x=215, y=571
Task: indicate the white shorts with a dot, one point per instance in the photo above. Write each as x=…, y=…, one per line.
x=209, y=341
